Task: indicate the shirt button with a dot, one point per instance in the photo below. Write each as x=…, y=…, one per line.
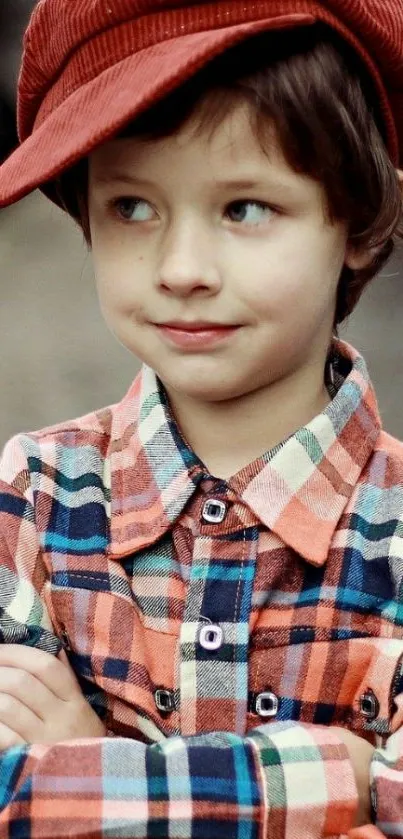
x=211, y=637
x=214, y=511
x=164, y=700
x=374, y=804
x=65, y=639
x=369, y=705
x=266, y=704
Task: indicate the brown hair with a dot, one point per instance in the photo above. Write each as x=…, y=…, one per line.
x=312, y=87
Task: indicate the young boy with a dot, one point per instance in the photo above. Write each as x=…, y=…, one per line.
x=200, y=601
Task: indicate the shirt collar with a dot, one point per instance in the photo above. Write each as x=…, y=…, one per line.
x=298, y=490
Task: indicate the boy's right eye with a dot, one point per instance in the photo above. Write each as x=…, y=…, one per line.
x=133, y=209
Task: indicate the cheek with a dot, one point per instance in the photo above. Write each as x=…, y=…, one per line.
x=300, y=278
x=280, y=290
x=118, y=278
x=111, y=253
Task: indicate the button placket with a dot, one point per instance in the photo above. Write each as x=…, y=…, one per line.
x=215, y=629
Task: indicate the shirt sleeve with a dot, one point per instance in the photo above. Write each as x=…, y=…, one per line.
x=293, y=780
x=282, y=780
x=387, y=784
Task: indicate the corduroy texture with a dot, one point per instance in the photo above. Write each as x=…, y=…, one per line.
x=89, y=66
x=104, y=549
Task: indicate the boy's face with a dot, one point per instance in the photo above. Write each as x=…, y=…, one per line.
x=212, y=230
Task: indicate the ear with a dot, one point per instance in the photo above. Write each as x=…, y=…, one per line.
x=357, y=259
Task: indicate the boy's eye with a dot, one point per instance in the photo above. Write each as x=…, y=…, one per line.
x=249, y=212
x=133, y=209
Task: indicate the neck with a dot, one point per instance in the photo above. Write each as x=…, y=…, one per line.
x=229, y=435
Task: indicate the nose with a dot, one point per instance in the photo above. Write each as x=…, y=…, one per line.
x=188, y=263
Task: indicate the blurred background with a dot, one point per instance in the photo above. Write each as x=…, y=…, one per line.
x=57, y=358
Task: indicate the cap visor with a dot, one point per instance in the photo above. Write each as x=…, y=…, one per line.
x=95, y=112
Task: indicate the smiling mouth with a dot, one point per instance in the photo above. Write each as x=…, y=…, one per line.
x=197, y=326
x=195, y=336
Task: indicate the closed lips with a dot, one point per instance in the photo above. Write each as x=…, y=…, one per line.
x=190, y=327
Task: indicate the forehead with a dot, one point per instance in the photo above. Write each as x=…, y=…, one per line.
x=230, y=142
x=196, y=160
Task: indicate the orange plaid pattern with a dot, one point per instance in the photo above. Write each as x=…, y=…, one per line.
x=222, y=629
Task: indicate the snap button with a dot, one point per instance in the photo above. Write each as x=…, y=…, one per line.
x=214, y=511
x=369, y=705
x=164, y=700
x=374, y=804
x=266, y=704
x=211, y=637
x=65, y=639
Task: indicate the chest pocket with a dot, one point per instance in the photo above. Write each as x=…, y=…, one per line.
x=109, y=648
x=352, y=682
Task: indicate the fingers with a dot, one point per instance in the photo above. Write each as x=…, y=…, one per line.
x=63, y=657
x=16, y=716
x=41, y=700
x=27, y=689
x=56, y=675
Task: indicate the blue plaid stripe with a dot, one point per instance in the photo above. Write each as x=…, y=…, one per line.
x=11, y=766
x=141, y=556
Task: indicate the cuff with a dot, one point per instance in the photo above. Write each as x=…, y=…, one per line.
x=308, y=780
x=387, y=785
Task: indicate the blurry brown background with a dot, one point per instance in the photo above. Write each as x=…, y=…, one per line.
x=58, y=359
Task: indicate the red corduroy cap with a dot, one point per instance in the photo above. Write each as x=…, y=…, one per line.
x=90, y=66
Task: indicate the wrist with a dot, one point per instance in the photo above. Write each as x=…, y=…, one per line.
x=360, y=753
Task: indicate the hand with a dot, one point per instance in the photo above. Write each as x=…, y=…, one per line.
x=41, y=700
x=361, y=753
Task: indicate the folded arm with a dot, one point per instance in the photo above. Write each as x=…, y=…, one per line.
x=292, y=781
x=282, y=780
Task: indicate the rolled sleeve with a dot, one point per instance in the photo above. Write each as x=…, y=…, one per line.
x=387, y=786
x=308, y=780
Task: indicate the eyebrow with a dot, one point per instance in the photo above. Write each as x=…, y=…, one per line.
x=120, y=177
x=230, y=183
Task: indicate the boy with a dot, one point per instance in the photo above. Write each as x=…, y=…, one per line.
x=208, y=575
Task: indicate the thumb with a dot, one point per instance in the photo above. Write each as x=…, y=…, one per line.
x=63, y=657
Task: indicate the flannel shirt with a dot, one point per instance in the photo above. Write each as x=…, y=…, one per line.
x=223, y=630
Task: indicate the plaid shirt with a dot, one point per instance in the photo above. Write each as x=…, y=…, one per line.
x=222, y=629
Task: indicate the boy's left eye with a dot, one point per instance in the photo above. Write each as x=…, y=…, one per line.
x=133, y=209
x=249, y=212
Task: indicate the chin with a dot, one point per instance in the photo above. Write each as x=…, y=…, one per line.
x=202, y=391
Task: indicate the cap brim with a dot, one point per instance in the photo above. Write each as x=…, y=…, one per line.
x=99, y=109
